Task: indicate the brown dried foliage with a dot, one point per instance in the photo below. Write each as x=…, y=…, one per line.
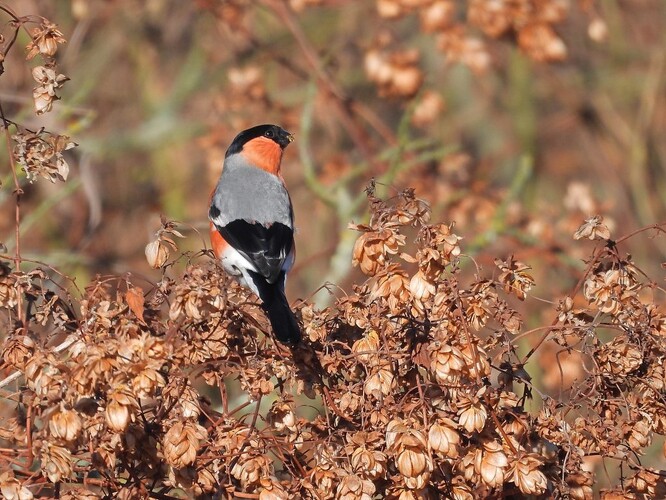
x=426, y=394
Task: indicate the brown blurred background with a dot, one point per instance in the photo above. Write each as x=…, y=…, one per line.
x=514, y=123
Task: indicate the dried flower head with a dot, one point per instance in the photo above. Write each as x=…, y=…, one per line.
x=409, y=446
x=181, y=443
x=446, y=362
x=373, y=248
x=65, y=424
x=157, y=254
x=18, y=350
x=12, y=489
x=272, y=490
x=472, y=415
x=45, y=93
x=514, y=277
x=593, y=229
x=158, y=250
x=396, y=74
x=526, y=475
x=250, y=470
x=353, y=487
x=56, y=462
x=491, y=463
x=443, y=438
x=45, y=40
x=41, y=154
x=120, y=408
x=541, y=42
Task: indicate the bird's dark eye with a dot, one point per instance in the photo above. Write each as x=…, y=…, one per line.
x=269, y=134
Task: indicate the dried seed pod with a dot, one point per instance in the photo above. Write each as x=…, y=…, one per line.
x=181, y=443
x=368, y=463
x=157, y=254
x=526, y=475
x=9, y=295
x=593, y=229
x=12, y=489
x=45, y=40
x=367, y=347
x=282, y=416
x=396, y=74
x=491, y=463
x=353, y=487
x=43, y=377
x=580, y=485
x=45, y=94
x=65, y=424
x=147, y=381
x=250, y=470
x=443, y=438
x=541, y=43
x=120, y=408
x=472, y=415
x=446, y=362
x=437, y=16
x=80, y=494
x=18, y=350
x=272, y=490
x=597, y=30
x=380, y=381
x=514, y=277
x=372, y=249
x=56, y=462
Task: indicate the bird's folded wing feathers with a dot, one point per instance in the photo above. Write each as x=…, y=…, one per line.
x=265, y=246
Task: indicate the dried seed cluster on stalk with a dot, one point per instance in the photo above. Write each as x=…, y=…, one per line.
x=39, y=154
x=462, y=31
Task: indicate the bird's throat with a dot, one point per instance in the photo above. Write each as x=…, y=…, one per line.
x=264, y=154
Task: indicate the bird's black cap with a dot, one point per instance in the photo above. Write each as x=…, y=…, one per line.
x=273, y=132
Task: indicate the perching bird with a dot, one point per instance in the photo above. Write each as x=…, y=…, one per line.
x=252, y=222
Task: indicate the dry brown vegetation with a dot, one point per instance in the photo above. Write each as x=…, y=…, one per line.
x=478, y=187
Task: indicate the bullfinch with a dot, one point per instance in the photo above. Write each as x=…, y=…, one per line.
x=252, y=222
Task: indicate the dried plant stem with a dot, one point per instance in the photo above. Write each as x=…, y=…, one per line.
x=595, y=258
x=343, y=104
x=223, y=393
x=59, y=348
x=17, y=22
x=28, y=429
x=9, y=379
x=18, y=192
x=499, y=426
x=240, y=494
x=255, y=414
x=599, y=251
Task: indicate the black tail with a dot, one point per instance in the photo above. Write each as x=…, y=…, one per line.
x=277, y=309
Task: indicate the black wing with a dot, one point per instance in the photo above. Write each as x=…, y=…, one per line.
x=266, y=247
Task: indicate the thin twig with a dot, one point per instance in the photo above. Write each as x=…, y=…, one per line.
x=343, y=103
x=60, y=347
x=17, y=206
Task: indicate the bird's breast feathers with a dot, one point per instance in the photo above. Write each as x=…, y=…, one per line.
x=248, y=193
x=251, y=212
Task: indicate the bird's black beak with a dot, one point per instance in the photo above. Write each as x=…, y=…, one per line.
x=285, y=138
